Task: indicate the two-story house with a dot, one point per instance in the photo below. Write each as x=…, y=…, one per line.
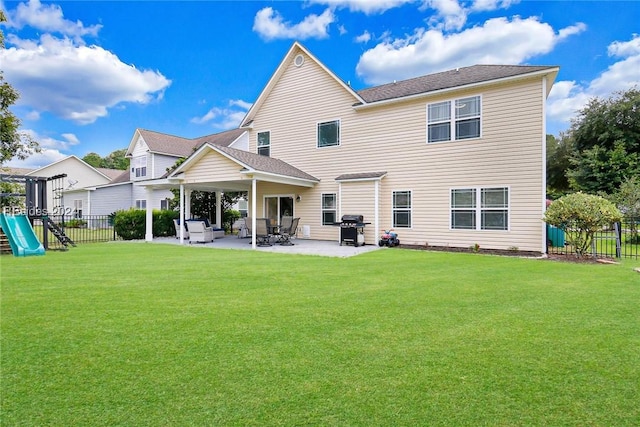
x=453, y=159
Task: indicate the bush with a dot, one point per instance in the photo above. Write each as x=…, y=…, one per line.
x=163, y=223
x=581, y=215
x=229, y=217
x=76, y=223
x=131, y=224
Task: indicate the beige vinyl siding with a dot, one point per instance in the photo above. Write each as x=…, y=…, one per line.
x=358, y=198
x=392, y=138
x=213, y=167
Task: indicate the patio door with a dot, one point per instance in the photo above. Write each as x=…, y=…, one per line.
x=278, y=206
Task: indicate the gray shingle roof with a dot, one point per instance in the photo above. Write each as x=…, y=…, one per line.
x=266, y=164
x=111, y=173
x=123, y=177
x=361, y=175
x=184, y=147
x=445, y=80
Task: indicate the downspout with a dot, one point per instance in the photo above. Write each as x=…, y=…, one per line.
x=544, y=163
x=339, y=208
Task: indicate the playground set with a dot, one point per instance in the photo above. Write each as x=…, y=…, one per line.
x=18, y=227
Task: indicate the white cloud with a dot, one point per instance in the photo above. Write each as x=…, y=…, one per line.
x=48, y=18
x=364, y=37
x=271, y=25
x=568, y=97
x=485, y=5
x=46, y=72
x=368, y=7
x=225, y=118
x=497, y=41
x=624, y=49
x=450, y=15
x=52, y=150
x=571, y=30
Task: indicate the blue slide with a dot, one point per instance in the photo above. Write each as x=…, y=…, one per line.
x=22, y=238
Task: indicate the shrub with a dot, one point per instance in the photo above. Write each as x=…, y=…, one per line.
x=163, y=222
x=76, y=223
x=229, y=217
x=131, y=224
x=581, y=215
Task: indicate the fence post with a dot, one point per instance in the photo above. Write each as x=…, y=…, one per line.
x=618, y=230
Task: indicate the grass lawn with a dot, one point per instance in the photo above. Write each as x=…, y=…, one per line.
x=138, y=334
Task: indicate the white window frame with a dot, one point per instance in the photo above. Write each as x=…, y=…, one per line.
x=453, y=120
x=338, y=142
x=267, y=146
x=164, y=204
x=334, y=209
x=141, y=203
x=139, y=168
x=477, y=209
x=77, y=208
x=397, y=209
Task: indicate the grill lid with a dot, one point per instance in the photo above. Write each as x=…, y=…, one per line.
x=353, y=218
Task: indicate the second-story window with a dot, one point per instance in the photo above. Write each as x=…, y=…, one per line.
x=329, y=133
x=264, y=143
x=140, y=166
x=454, y=120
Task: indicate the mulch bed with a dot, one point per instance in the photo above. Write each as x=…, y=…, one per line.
x=515, y=253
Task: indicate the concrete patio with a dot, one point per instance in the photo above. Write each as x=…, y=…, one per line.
x=301, y=246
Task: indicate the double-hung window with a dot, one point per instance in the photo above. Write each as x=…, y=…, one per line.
x=141, y=204
x=401, y=207
x=140, y=166
x=329, y=209
x=480, y=208
x=328, y=133
x=454, y=120
x=264, y=143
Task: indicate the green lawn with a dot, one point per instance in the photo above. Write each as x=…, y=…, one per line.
x=138, y=334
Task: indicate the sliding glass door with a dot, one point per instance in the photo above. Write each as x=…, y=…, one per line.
x=278, y=206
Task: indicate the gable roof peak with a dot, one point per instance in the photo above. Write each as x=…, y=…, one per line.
x=295, y=49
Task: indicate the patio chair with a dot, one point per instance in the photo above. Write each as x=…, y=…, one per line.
x=285, y=234
x=176, y=224
x=199, y=232
x=262, y=232
x=246, y=227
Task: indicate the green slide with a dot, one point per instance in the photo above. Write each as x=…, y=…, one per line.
x=22, y=238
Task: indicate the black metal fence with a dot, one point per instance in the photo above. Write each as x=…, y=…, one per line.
x=621, y=240
x=88, y=229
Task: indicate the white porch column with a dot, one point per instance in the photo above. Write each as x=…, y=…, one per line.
x=149, y=218
x=254, y=188
x=187, y=204
x=218, y=209
x=181, y=236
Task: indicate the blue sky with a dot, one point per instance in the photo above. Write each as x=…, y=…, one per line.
x=90, y=72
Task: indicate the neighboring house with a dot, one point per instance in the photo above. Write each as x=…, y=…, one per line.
x=151, y=154
x=79, y=174
x=451, y=159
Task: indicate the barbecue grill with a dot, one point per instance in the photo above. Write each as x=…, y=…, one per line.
x=352, y=229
